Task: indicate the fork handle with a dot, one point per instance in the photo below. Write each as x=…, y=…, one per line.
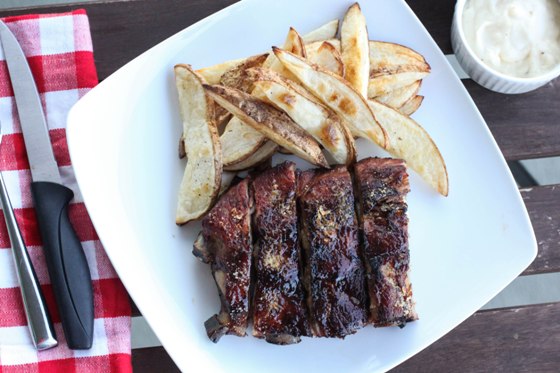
x=38, y=320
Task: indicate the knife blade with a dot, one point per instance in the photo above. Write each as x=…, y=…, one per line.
x=66, y=261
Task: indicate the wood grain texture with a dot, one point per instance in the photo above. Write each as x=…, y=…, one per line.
x=543, y=205
x=522, y=339
x=154, y=359
x=122, y=30
x=507, y=340
x=525, y=126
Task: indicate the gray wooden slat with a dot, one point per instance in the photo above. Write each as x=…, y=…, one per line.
x=543, y=205
x=154, y=359
x=522, y=339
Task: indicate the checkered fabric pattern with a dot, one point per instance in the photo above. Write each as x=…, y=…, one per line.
x=59, y=51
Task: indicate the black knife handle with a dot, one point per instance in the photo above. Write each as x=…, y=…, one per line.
x=66, y=262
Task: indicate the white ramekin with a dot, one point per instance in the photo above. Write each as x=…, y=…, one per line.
x=485, y=75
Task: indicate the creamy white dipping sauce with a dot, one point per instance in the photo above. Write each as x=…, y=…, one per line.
x=519, y=38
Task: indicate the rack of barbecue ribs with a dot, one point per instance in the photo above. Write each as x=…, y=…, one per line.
x=288, y=249
x=382, y=184
x=279, y=313
x=334, y=273
x=226, y=244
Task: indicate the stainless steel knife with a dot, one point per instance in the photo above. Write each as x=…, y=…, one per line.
x=66, y=261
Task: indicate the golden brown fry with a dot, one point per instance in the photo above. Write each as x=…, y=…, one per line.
x=326, y=31
x=411, y=105
x=239, y=142
x=294, y=44
x=388, y=58
x=212, y=74
x=337, y=94
x=262, y=154
x=400, y=96
x=383, y=84
x=203, y=173
x=409, y=141
x=320, y=122
x=327, y=57
x=236, y=77
x=355, y=49
x=271, y=122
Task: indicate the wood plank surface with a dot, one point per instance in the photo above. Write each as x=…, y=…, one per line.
x=508, y=340
x=154, y=359
x=505, y=340
x=543, y=205
x=525, y=126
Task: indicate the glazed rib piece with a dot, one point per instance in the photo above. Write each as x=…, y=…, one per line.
x=225, y=243
x=279, y=313
x=382, y=184
x=334, y=272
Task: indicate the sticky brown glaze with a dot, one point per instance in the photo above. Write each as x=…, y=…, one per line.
x=334, y=272
x=225, y=243
x=279, y=312
x=382, y=184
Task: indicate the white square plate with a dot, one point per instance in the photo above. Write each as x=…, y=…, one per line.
x=123, y=142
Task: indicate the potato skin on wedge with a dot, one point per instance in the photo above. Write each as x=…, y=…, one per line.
x=271, y=122
x=326, y=31
x=320, y=122
x=337, y=94
x=409, y=141
x=258, y=157
x=385, y=58
x=239, y=141
x=327, y=57
x=201, y=181
x=410, y=107
x=213, y=74
x=400, y=96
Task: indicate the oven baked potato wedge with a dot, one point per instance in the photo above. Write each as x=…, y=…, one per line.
x=355, y=49
x=327, y=57
x=382, y=84
x=236, y=77
x=398, y=97
x=313, y=46
x=385, y=57
x=409, y=141
x=239, y=142
x=271, y=122
x=262, y=154
x=337, y=94
x=294, y=44
x=411, y=105
x=212, y=74
x=201, y=181
x=321, y=123
x=393, y=66
x=323, y=32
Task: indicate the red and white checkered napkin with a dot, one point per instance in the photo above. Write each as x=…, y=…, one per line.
x=59, y=50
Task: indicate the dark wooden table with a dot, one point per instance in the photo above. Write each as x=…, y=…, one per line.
x=525, y=126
